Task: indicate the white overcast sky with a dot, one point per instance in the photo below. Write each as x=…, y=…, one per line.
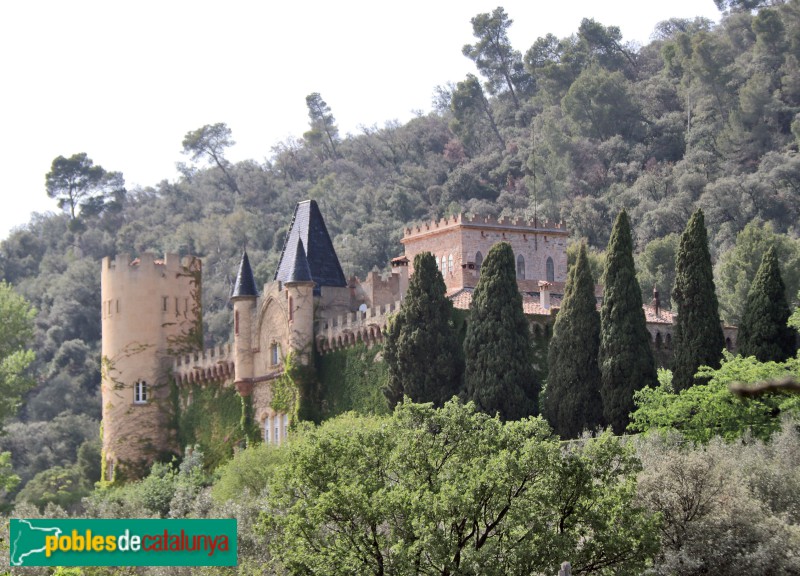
x=124, y=81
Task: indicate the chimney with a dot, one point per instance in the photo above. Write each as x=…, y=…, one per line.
x=544, y=294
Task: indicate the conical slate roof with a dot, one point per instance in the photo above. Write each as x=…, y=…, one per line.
x=308, y=231
x=300, y=270
x=245, y=283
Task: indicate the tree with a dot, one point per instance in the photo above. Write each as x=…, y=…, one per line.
x=470, y=110
x=736, y=269
x=656, y=266
x=764, y=331
x=422, y=352
x=323, y=125
x=626, y=359
x=698, y=339
x=494, y=56
x=794, y=319
x=600, y=103
x=16, y=318
x=210, y=142
x=499, y=375
x=453, y=491
x=79, y=185
x=704, y=411
x=572, y=401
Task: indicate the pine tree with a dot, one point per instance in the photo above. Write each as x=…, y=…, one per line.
x=626, y=359
x=499, y=375
x=572, y=398
x=698, y=339
x=764, y=331
x=422, y=351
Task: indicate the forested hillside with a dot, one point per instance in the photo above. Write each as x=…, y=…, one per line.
x=570, y=129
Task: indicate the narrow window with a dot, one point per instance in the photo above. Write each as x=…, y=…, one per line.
x=117, y=305
x=163, y=303
x=140, y=392
x=520, y=267
x=478, y=262
x=267, y=438
x=444, y=264
x=285, y=425
x=236, y=322
x=276, y=438
x=291, y=309
x=177, y=310
x=450, y=264
x=275, y=354
x=551, y=272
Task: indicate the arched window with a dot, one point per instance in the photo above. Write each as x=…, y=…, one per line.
x=450, y=264
x=478, y=262
x=520, y=267
x=658, y=340
x=444, y=264
x=551, y=270
x=140, y=392
x=275, y=354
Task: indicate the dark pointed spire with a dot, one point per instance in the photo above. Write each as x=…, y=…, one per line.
x=245, y=283
x=308, y=226
x=300, y=270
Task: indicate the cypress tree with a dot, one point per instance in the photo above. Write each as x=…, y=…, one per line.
x=626, y=359
x=765, y=332
x=698, y=339
x=422, y=351
x=572, y=398
x=499, y=374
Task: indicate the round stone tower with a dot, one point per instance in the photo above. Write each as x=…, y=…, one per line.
x=150, y=312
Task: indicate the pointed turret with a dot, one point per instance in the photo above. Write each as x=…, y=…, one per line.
x=245, y=282
x=300, y=270
x=244, y=308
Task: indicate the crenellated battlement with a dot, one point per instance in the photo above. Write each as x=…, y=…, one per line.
x=149, y=262
x=211, y=365
x=472, y=220
x=349, y=329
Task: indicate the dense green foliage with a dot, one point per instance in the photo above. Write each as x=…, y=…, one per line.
x=572, y=401
x=726, y=507
x=353, y=379
x=626, y=359
x=422, y=351
x=16, y=319
x=704, y=411
x=698, y=334
x=498, y=373
x=210, y=417
x=454, y=491
x=736, y=269
x=765, y=332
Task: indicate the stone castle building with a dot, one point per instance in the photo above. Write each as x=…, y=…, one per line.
x=152, y=322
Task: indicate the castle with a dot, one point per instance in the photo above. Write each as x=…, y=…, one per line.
x=152, y=321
